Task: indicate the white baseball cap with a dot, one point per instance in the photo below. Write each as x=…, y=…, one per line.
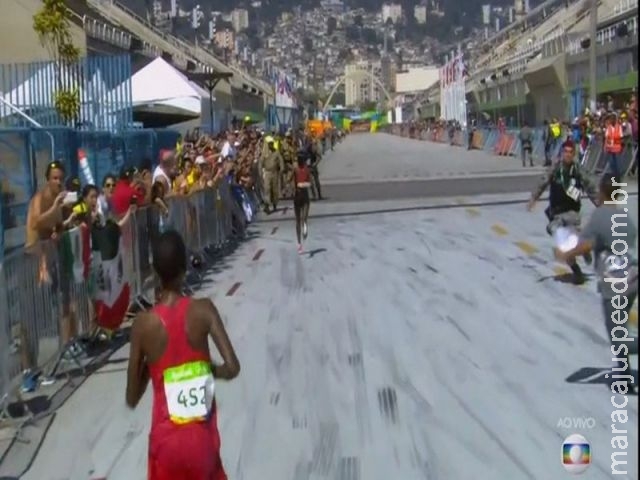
x=200, y=160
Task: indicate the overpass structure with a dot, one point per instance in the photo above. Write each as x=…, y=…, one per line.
x=540, y=69
x=186, y=55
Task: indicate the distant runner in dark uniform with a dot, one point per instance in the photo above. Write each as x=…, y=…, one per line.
x=302, y=183
x=169, y=345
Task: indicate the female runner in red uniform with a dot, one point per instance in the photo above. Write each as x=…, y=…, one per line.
x=169, y=345
x=302, y=183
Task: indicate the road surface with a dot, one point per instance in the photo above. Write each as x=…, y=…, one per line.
x=415, y=339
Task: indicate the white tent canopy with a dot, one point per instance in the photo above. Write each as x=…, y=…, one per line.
x=161, y=85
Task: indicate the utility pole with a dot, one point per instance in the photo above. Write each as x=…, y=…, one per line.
x=593, y=58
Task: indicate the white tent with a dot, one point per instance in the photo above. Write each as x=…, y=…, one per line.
x=160, y=87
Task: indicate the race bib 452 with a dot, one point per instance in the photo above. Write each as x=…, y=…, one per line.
x=189, y=390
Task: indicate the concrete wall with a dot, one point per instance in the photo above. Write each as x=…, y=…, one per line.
x=18, y=41
x=549, y=101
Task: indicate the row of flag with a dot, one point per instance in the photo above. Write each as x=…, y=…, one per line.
x=453, y=71
x=453, y=89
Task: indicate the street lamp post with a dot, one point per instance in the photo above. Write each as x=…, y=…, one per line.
x=210, y=80
x=593, y=59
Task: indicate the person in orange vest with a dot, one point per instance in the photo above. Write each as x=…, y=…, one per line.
x=613, y=136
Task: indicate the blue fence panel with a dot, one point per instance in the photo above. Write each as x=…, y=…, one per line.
x=138, y=145
x=16, y=185
x=53, y=144
x=103, y=82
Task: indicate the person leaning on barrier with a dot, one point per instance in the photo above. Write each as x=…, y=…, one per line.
x=165, y=170
x=613, y=145
x=126, y=192
x=566, y=182
x=611, y=236
x=45, y=221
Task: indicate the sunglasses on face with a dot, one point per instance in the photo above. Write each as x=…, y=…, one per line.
x=109, y=185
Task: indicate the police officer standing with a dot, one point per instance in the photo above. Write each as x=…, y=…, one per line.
x=566, y=182
x=272, y=166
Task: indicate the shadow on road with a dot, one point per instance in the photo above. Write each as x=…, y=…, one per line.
x=596, y=376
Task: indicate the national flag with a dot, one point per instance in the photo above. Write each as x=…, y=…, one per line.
x=462, y=68
x=112, y=289
x=75, y=252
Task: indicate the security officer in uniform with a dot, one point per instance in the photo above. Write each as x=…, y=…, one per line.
x=566, y=182
x=272, y=166
x=289, y=155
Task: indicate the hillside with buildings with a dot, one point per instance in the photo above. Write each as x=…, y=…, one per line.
x=318, y=42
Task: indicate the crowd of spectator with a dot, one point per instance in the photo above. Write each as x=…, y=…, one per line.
x=257, y=165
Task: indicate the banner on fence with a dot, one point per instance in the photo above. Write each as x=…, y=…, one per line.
x=112, y=289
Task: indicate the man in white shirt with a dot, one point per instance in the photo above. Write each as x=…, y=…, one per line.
x=228, y=148
x=164, y=171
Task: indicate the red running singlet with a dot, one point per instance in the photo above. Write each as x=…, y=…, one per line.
x=302, y=175
x=185, y=449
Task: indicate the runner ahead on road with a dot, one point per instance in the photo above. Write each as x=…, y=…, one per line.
x=302, y=180
x=169, y=345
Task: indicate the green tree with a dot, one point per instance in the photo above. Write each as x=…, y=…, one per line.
x=53, y=25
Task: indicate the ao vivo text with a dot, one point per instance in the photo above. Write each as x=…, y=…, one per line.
x=576, y=423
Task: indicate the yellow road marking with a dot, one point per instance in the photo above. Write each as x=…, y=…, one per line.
x=527, y=248
x=472, y=212
x=559, y=271
x=499, y=230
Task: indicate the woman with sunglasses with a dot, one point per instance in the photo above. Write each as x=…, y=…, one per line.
x=104, y=199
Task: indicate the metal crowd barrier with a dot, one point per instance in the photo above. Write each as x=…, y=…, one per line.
x=44, y=287
x=507, y=143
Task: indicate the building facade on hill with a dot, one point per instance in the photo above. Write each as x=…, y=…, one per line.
x=239, y=19
x=420, y=14
x=392, y=11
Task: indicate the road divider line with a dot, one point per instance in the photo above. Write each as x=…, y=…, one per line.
x=275, y=229
x=234, y=289
x=258, y=254
x=499, y=230
x=527, y=248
